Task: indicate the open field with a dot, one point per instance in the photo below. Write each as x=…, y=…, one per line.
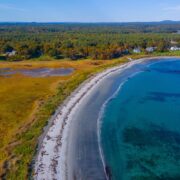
x=28, y=102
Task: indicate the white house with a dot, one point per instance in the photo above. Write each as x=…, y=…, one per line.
x=178, y=32
x=137, y=50
x=11, y=53
x=150, y=49
x=174, y=48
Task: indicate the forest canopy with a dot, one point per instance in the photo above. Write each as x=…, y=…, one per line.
x=85, y=40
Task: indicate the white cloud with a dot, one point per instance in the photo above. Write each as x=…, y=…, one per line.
x=10, y=7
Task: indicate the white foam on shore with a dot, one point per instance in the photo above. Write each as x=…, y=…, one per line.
x=51, y=159
x=100, y=117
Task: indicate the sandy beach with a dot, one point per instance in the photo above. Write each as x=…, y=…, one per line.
x=69, y=148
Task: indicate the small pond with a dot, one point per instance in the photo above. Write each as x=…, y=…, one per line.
x=38, y=72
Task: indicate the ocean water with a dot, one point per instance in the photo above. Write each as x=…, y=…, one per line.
x=140, y=126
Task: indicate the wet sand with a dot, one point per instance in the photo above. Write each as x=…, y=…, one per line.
x=70, y=147
x=84, y=160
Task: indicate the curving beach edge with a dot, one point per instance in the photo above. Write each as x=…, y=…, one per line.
x=61, y=143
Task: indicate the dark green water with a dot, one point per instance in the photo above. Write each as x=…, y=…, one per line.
x=140, y=133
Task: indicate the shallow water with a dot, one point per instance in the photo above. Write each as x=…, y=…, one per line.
x=140, y=133
x=39, y=72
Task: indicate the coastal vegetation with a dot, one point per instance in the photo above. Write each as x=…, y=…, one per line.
x=28, y=102
x=85, y=41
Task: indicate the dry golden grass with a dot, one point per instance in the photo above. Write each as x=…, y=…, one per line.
x=28, y=102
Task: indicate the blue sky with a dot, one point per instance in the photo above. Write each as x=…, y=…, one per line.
x=89, y=10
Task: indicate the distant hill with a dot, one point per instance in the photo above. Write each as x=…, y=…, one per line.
x=166, y=26
x=94, y=23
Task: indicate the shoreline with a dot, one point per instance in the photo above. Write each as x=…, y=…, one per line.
x=51, y=160
x=99, y=124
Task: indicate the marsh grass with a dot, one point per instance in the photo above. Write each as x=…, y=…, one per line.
x=26, y=105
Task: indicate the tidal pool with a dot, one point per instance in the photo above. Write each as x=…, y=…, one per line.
x=140, y=130
x=39, y=72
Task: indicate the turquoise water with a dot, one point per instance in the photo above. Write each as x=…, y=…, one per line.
x=140, y=132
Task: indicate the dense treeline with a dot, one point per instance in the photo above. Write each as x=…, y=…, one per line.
x=149, y=27
x=75, y=41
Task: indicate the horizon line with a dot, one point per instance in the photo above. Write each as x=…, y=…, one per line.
x=90, y=22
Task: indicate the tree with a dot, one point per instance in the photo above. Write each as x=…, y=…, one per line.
x=7, y=48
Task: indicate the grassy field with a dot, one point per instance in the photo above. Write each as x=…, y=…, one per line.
x=26, y=105
x=170, y=53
